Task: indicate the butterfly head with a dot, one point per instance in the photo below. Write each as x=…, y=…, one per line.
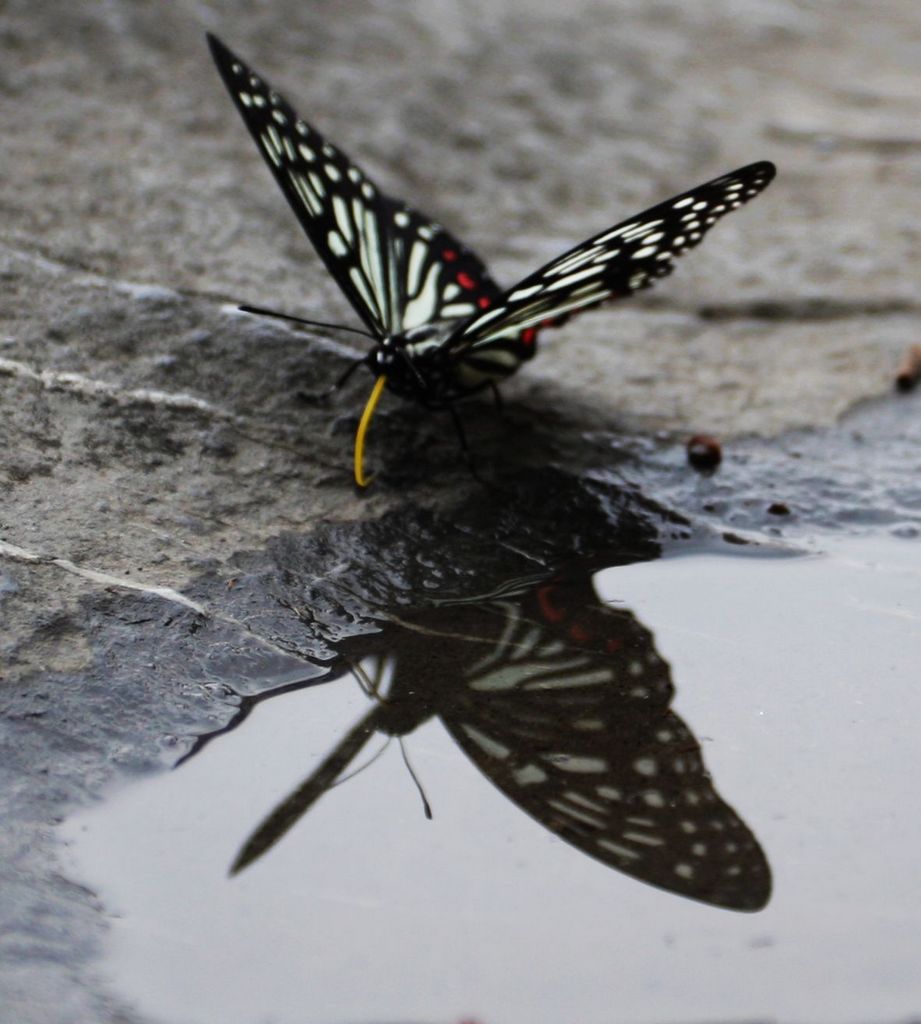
x=403, y=365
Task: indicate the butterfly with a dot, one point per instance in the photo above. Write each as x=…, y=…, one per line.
x=564, y=704
x=443, y=329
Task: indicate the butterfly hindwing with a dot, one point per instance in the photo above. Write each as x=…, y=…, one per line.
x=613, y=264
x=398, y=268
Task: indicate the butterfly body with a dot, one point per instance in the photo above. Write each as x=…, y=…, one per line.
x=417, y=367
x=443, y=328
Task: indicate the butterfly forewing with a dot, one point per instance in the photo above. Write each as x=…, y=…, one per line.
x=398, y=268
x=613, y=264
x=575, y=727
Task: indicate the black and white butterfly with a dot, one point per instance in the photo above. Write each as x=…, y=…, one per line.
x=443, y=328
x=564, y=704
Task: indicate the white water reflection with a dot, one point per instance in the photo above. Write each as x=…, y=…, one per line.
x=799, y=676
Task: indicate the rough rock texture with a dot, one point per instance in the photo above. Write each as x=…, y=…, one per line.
x=148, y=433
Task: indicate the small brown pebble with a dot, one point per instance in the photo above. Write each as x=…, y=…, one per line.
x=704, y=452
x=910, y=370
x=778, y=508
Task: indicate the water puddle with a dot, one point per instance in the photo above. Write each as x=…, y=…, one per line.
x=601, y=848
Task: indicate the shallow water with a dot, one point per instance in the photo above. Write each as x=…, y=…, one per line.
x=796, y=675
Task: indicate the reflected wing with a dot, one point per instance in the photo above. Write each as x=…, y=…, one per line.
x=571, y=720
x=398, y=268
x=613, y=264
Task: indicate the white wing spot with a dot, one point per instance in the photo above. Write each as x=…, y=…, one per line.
x=254, y=81
x=587, y=765
x=645, y=766
x=246, y=99
x=486, y=743
x=589, y=724
x=609, y=792
x=270, y=150
x=359, y=282
x=689, y=827
x=579, y=815
x=317, y=183
x=367, y=190
x=306, y=193
x=302, y=128
x=332, y=172
x=236, y=68
x=307, y=153
x=699, y=849
x=523, y=293
x=583, y=801
x=336, y=244
x=684, y=871
x=653, y=798
x=401, y=219
x=458, y=309
x=564, y=282
x=641, y=254
x=618, y=850
x=641, y=231
x=354, y=174
x=618, y=231
x=682, y=203
x=341, y=213
x=450, y=292
x=258, y=101
x=529, y=775
x=279, y=117
x=644, y=839
x=413, y=270
x=328, y=150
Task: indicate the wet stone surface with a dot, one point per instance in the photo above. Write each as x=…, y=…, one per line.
x=178, y=528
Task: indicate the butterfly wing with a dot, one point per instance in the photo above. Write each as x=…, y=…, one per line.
x=610, y=265
x=571, y=720
x=398, y=268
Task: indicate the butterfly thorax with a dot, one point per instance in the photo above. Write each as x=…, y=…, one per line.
x=415, y=365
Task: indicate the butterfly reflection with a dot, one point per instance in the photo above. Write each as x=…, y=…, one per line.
x=564, y=704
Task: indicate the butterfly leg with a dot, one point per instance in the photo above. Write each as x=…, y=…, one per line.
x=462, y=440
x=319, y=397
x=497, y=398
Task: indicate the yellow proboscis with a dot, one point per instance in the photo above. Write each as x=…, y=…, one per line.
x=373, y=399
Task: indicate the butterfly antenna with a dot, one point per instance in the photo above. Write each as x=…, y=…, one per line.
x=425, y=804
x=363, y=425
x=259, y=311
